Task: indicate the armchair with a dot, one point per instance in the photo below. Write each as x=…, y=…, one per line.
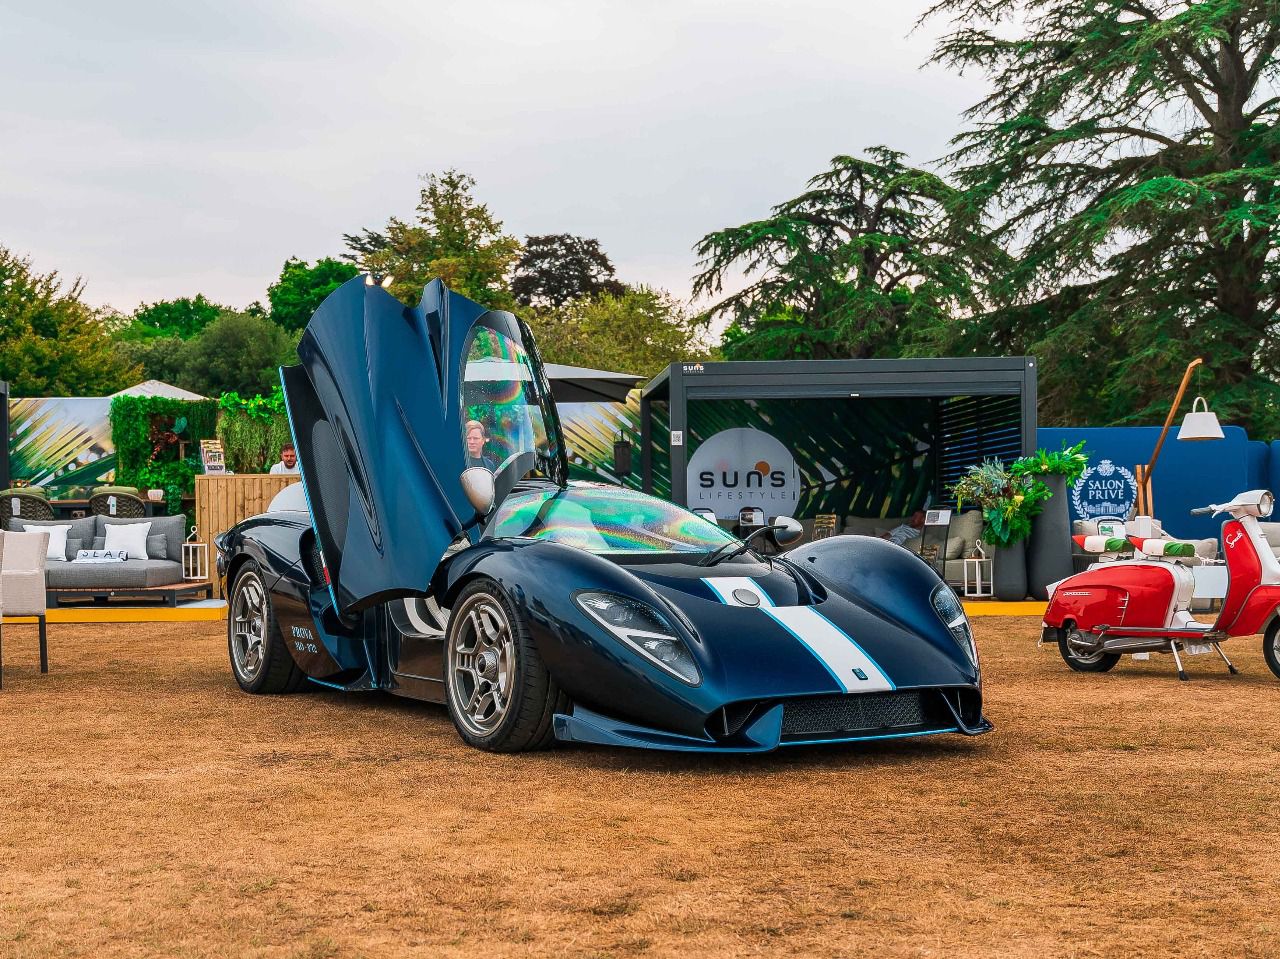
x=22, y=562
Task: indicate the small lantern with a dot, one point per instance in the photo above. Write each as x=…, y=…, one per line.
x=1200, y=424
x=195, y=559
x=621, y=457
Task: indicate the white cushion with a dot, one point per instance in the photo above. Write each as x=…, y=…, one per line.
x=130, y=537
x=57, y=541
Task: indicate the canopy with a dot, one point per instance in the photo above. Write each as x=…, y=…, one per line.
x=577, y=384
x=158, y=388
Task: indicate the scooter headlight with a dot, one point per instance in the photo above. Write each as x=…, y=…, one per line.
x=645, y=630
x=951, y=613
x=1266, y=503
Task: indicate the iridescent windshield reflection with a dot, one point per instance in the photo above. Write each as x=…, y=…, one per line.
x=503, y=416
x=603, y=519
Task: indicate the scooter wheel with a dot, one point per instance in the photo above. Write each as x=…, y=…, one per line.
x=1080, y=660
x=1271, y=648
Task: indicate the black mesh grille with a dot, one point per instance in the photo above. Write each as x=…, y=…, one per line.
x=315, y=566
x=857, y=712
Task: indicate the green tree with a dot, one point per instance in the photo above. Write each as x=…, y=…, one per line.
x=452, y=237
x=560, y=267
x=1129, y=151
x=639, y=331
x=183, y=317
x=863, y=262
x=51, y=343
x=157, y=357
x=240, y=352
x=301, y=289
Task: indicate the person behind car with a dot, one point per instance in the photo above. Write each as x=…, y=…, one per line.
x=288, y=464
x=904, y=533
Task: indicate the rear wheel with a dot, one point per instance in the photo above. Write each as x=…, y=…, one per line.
x=1081, y=660
x=259, y=659
x=500, y=696
x=1271, y=647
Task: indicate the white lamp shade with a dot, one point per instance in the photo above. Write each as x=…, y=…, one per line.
x=1200, y=424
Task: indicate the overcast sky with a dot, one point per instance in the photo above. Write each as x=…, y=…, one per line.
x=164, y=149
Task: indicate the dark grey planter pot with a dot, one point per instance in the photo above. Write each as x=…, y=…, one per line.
x=1049, y=549
x=1009, y=573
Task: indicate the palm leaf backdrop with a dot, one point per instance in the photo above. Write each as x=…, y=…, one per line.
x=861, y=457
x=856, y=457
x=590, y=430
x=62, y=444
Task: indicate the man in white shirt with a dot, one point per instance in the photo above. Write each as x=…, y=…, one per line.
x=903, y=534
x=288, y=461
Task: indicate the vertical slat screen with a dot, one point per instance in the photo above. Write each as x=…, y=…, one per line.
x=972, y=429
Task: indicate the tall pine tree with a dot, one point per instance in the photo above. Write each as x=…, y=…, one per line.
x=1128, y=153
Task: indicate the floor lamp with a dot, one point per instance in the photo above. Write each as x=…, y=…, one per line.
x=1197, y=425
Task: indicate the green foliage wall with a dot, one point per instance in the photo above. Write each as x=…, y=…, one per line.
x=131, y=422
x=253, y=430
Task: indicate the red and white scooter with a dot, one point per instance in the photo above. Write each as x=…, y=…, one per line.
x=1142, y=605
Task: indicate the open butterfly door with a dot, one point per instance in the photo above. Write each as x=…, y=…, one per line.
x=379, y=407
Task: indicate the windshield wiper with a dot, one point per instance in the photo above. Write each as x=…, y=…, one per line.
x=735, y=549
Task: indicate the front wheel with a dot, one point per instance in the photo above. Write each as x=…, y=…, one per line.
x=1271, y=647
x=500, y=696
x=1083, y=661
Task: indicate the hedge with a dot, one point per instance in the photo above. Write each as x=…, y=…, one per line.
x=253, y=430
x=149, y=463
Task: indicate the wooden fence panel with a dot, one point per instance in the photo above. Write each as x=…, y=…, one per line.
x=223, y=501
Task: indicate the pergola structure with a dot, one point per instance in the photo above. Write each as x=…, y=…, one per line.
x=4, y=431
x=968, y=408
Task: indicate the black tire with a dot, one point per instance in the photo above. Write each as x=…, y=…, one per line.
x=1271, y=647
x=260, y=661
x=490, y=655
x=1095, y=663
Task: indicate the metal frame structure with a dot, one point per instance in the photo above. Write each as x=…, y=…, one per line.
x=682, y=383
x=4, y=431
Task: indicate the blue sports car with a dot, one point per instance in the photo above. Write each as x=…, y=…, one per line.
x=436, y=549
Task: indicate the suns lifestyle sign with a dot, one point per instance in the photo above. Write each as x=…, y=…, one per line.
x=1104, y=490
x=743, y=467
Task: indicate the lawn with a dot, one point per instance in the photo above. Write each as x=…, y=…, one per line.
x=149, y=808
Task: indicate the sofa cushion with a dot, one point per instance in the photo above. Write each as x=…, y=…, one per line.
x=172, y=528
x=131, y=574
x=966, y=529
x=81, y=529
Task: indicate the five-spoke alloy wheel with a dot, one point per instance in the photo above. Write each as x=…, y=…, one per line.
x=259, y=660
x=500, y=695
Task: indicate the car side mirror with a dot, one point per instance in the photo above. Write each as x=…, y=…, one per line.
x=786, y=530
x=477, y=483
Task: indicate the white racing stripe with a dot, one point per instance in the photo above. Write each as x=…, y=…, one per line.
x=843, y=658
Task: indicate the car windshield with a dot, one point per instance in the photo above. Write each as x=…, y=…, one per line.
x=607, y=520
x=502, y=400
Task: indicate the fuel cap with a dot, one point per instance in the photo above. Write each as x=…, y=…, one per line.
x=746, y=597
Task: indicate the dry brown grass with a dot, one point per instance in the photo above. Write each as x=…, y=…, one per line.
x=149, y=808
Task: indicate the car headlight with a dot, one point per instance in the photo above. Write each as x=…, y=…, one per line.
x=952, y=615
x=645, y=630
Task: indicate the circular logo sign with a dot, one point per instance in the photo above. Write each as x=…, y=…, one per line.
x=1104, y=490
x=743, y=467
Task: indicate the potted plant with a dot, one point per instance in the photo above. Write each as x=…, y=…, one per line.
x=1049, y=547
x=1009, y=502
